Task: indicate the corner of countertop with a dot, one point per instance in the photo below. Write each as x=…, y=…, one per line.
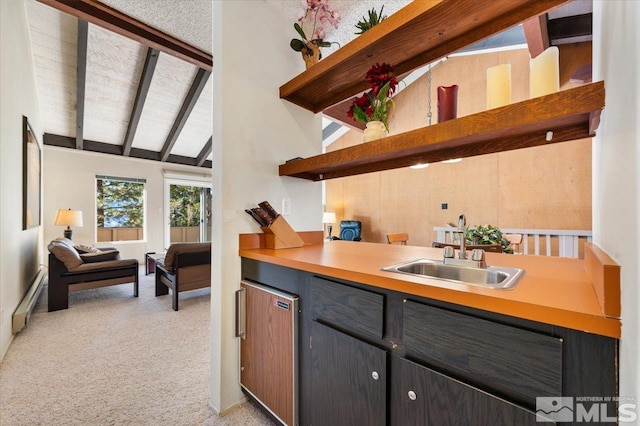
x=605, y=278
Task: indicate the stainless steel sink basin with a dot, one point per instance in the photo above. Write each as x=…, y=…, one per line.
x=490, y=277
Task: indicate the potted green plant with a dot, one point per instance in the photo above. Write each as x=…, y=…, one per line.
x=488, y=234
x=374, y=19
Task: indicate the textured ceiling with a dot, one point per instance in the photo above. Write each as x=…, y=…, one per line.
x=114, y=67
x=188, y=20
x=350, y=12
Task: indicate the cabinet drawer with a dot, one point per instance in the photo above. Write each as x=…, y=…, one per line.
x=420, y=396
x=348, y=308
x=519, y=363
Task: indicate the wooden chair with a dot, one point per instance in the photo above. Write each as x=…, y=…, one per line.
x=401, y=237
x=494, y=248
x=515, y=240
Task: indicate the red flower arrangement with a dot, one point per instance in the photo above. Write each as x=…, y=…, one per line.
x=376, y=104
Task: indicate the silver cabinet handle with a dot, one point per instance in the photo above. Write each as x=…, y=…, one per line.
x=375, y=375
x=241, y=313
x=412, y=395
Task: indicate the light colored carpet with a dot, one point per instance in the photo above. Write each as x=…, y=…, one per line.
x=112, y=359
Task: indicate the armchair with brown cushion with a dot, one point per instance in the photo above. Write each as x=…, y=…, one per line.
x=186, y=266
x=73, y=268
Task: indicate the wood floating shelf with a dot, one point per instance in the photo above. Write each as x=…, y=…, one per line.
x=569, y=114
x=418, y=34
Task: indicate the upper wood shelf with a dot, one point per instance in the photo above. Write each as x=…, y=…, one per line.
x=570, y=114
x=418, y=34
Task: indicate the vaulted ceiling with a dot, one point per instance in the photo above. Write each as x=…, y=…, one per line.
x=104, y=92
x=133, y=78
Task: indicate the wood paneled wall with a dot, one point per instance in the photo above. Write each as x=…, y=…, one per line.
x=546, y=187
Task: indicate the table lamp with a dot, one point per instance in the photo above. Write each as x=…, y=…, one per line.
x=68, y=218
x=329, y=218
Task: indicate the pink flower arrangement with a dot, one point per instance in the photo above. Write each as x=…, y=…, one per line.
x=317, y=14
x=321, y=14
x=376, y=104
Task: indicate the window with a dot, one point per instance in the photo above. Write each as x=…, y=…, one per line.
x=187, y=206
x=189, y=213
x=120, y=208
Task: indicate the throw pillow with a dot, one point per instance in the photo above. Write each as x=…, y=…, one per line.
x=65, y=253
x=100, y=256
x=83, y=248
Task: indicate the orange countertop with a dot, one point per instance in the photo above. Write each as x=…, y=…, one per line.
x=554, y=290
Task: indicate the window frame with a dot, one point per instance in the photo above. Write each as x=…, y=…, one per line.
x=173, y=178
x=144, y=207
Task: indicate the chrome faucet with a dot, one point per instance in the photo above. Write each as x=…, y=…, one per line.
x=477, y=255
x=462, y=234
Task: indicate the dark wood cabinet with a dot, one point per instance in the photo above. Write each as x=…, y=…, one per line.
x=349, y=308
x=505, y=359
x=421, y=397
x=348, y=376
x=464, y=365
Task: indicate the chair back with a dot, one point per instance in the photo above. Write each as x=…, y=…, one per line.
x=515, y=240
x=400, y=237
x=350, y=230
x=494, y=248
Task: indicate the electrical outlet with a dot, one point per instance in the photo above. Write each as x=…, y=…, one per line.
x=286, y=206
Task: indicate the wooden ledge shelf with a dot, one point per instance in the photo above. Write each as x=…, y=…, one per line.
x=420, y=33
x=570, y=114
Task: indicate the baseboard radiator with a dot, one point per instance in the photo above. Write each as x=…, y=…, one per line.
x=23, y=312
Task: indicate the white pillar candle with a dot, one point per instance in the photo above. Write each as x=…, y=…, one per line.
x=498, y=86
x=544, y=74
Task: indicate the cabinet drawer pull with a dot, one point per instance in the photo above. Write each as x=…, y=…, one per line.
x=375, y=375
x=412, y=395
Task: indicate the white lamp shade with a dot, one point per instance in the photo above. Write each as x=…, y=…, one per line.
x=328, y=217
x=68, y=218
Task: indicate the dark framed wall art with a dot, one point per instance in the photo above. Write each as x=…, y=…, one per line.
x=31, y=172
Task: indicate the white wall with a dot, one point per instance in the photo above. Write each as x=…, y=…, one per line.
x=19, y=250
x=254, y=131
x=616, y=165
x=70, y=182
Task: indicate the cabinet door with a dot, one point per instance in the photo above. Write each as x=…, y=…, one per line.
x=420, y=396
x=348, y=380
x=268, y=355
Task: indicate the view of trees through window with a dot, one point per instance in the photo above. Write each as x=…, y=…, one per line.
x=184, y=204
x=189, y=211
x=120, y=209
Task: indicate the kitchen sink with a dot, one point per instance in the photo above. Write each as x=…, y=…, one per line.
x=495, y=277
